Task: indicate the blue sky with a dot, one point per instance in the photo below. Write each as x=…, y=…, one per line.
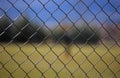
x=53, y=12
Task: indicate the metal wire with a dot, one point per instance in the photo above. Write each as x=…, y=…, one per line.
x=59, y=39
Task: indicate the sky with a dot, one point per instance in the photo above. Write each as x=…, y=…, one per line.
x=55, y=12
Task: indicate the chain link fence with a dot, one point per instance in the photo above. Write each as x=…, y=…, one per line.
x=59, y=39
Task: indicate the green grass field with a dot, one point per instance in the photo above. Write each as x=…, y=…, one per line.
x=51, y=61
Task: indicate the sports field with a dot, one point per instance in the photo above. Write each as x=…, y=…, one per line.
x=52, y=61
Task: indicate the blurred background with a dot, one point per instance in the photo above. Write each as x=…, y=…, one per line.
x=33, y=31
x=44, y=18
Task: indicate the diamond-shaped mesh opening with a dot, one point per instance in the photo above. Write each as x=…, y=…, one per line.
x=59, y=39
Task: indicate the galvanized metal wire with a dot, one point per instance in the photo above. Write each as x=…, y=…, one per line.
x=36, y=39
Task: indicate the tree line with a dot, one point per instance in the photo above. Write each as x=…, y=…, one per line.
x=23, y=30
x=20, y=31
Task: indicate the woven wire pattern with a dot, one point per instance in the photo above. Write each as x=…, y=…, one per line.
x=26, y=53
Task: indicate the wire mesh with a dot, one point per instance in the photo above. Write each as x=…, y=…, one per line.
x=59, y=39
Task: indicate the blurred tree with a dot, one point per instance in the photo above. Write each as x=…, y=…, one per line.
x=57, y=35
x=5, y=29
x=85, y=35
x=27, y=31
x=63, y=36
x=80, y=35
x=67, y=41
